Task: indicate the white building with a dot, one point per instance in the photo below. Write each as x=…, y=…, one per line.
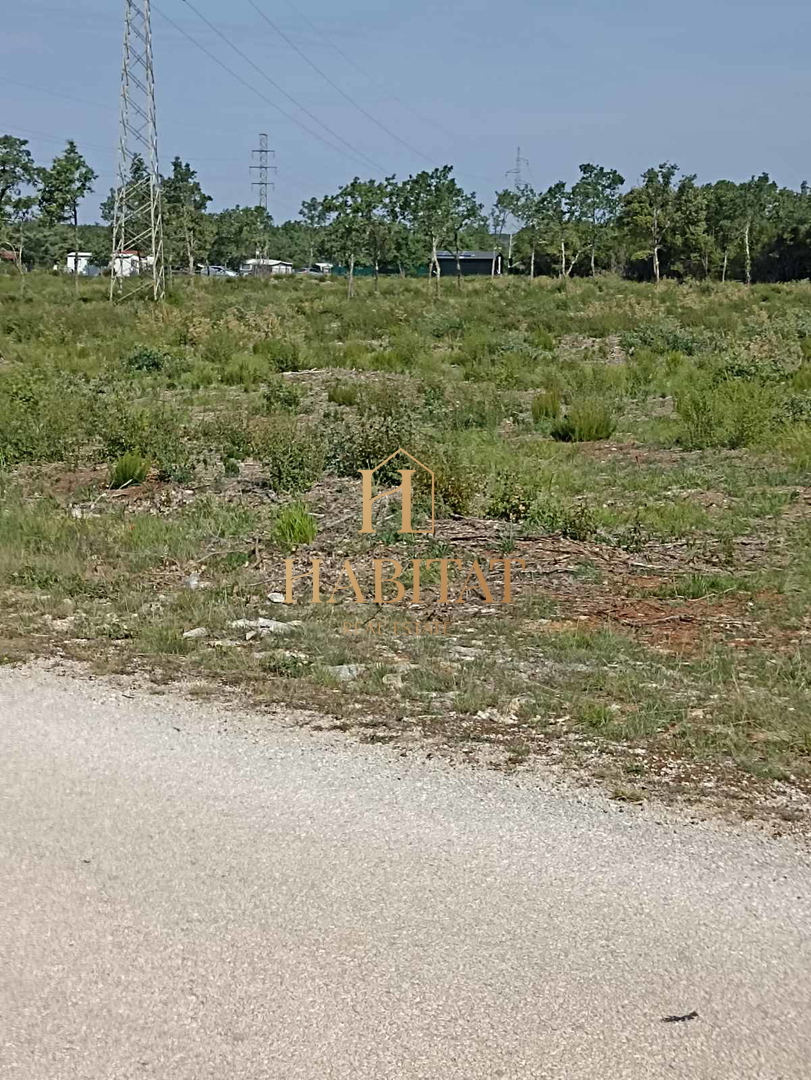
x=127, y=263
x=263, y=267
x=79, y=262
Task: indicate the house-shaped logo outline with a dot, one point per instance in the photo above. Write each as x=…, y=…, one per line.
x=425, y=468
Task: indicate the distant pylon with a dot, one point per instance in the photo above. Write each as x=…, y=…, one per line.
x=263, y=169
x=517, y=172
x=137, y=258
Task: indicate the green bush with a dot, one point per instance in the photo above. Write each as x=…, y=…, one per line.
x=292, y=454
x=281, y=354
x=344, y=394
x=280, y=393
x=363, y=442
x=574, y=522
x=732, y=414
x=294, y=526
x=130, y=468
x=511, y=496
x=146, y=359
x=546, y=406
x=586, y=421
x=157, y=433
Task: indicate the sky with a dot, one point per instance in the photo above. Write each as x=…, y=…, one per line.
x=721, y=88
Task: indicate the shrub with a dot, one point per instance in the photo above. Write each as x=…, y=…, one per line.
x=281, y=354
x=344, y=394
x=146, y=359
x=455, y=480
x=157, y=433
x=282, y=394
x=130, y=468
x=293, y=456
x=546, y=406
x=363, y=442
x=294, y=526
x=586, y=421
x=731, y=414
x=511, y=496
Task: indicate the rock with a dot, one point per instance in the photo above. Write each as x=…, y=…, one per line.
x=395, y=680
x=225, y=643
x=197, y=632
x=461, y=652
x=262, y=626
x=347, y=672
x=277, y=598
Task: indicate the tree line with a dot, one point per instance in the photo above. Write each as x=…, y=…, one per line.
x=666, y=225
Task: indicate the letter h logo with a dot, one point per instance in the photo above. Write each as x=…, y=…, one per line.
x=405, y=489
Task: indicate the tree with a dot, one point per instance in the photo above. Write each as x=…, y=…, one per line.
x=649, y=211
x=64, y=185
x=758, y=198
x=314, y=217
x=692, y=244
x=723, y=209
x=349, y=212
x=525, y=206
x=498, y=220
x=186, y=225
x=19, y=177
x=433, y=203
x=595, y=201
x=464, y=212
x=238, y=233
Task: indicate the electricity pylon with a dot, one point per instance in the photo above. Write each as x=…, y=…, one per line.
x=517, y=172
x=262, y=168
x=137, y=258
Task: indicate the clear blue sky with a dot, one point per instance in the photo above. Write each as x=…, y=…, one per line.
x=722, y=88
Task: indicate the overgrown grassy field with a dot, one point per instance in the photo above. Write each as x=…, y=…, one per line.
x=645, y=451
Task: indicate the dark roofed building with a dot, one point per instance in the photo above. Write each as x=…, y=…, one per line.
x=470, y=262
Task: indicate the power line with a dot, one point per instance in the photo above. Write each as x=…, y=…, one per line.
x=371, y=78
x=331, y=82
x=358, y=154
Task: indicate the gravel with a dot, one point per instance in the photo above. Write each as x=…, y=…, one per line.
x=194, y=892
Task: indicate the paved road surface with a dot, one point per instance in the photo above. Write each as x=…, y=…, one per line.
x=192, y=896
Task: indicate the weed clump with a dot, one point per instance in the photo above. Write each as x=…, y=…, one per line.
x=130, y=468
x=546, y=406
x=282, y=395
x=344, y=394
x=292, y=455
x=732, y=414
x=586, y=421
x=294, y=526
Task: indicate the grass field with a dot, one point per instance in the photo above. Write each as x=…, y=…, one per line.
x=646, y=451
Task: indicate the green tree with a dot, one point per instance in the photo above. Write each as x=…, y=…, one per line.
x=649, y=212
x=64, y=185
x=187, y=228
x=313, y=215
x=758, y=201
x=723, y=209
x=19, y=176
x=349, y=212
x=433, y=203
x=692, y=243
x=238, y=234
x=595, y=203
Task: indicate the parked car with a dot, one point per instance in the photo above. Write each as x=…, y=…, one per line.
x=216, y=271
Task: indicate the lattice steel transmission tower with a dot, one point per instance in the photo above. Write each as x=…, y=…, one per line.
x=137, y=259
x=263, y=168
x=517, y=172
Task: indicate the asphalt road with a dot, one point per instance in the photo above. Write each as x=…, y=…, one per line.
x=191, y=894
